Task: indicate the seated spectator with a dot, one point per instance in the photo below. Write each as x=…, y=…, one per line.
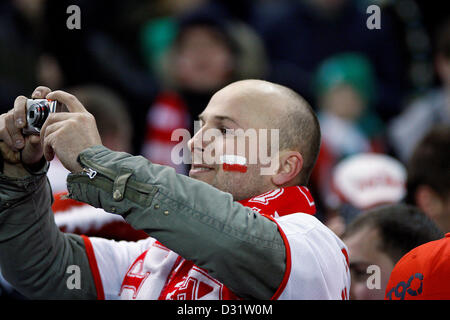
x=423, y=273
x=209, y=51
x=407, y=129
x=377, y=239
x=345, y=88
x=428, y=181
x=362, y=182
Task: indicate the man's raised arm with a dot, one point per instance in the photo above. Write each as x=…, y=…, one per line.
x=239, y=247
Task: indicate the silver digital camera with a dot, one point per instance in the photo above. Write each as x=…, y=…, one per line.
x=38, y=111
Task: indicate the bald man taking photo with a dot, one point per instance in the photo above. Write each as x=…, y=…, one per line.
x=228, y=231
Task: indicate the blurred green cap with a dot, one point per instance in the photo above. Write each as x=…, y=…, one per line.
x=351, y=69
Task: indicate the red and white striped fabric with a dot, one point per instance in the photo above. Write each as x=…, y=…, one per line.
x=80, y=218
x=167, y=114
x=316, y=266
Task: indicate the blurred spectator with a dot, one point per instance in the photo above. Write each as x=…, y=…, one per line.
x=423, y=273
x=362, y=182
x=158, y=32
x=300, y=34
x=345, y=88
x=428, y=181
x=434, y=108
x=210, y=50
x=112, y=115
x=378, y=239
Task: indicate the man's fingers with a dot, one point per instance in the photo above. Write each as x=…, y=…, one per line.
x=8, y=154
x=17, y=140
x=19, y=112
x=51, y=126
x=52, y=119
x=32, y=152
x=40, y=92
x=4, y=134
x=72, y=103
x=49, y=152
x=35, y=140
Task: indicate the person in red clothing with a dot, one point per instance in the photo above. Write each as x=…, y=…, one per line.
x=206, y=238
x=423, y=273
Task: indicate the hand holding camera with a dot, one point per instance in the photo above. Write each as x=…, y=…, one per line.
x=16, y=147
x=41, y=127
x=37, y=111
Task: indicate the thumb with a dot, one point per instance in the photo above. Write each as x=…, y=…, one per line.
x=71, y=102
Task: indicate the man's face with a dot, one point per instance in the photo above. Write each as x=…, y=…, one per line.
x=364, y=251
x=232, y=113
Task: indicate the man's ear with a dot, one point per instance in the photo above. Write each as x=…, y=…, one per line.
x=291, y=163
x=428, y=201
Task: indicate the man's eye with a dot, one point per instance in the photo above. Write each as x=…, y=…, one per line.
x=225, y=131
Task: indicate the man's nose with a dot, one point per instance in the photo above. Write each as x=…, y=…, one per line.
x=196, y=143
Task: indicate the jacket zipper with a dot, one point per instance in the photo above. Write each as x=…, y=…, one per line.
x=108, y=173
x=91, y=173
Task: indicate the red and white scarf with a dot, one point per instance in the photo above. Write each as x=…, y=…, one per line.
x=283, y=201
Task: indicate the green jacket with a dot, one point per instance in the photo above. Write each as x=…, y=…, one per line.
x=190, y=217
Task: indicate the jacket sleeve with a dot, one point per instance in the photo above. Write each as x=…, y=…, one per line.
x=35, y=257
x=242, y=249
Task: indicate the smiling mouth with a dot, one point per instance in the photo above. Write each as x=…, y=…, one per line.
x=199, y=168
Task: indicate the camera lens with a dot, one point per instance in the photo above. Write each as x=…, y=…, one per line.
x=38, y=113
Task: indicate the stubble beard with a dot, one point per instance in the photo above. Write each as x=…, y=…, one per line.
x=241, y=186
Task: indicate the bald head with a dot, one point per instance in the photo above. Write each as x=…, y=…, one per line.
x=300, y=131
x=272, y=106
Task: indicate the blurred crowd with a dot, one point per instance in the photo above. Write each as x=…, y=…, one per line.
x=146, y=68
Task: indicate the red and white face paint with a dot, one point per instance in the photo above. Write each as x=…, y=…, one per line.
x=231, y=162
